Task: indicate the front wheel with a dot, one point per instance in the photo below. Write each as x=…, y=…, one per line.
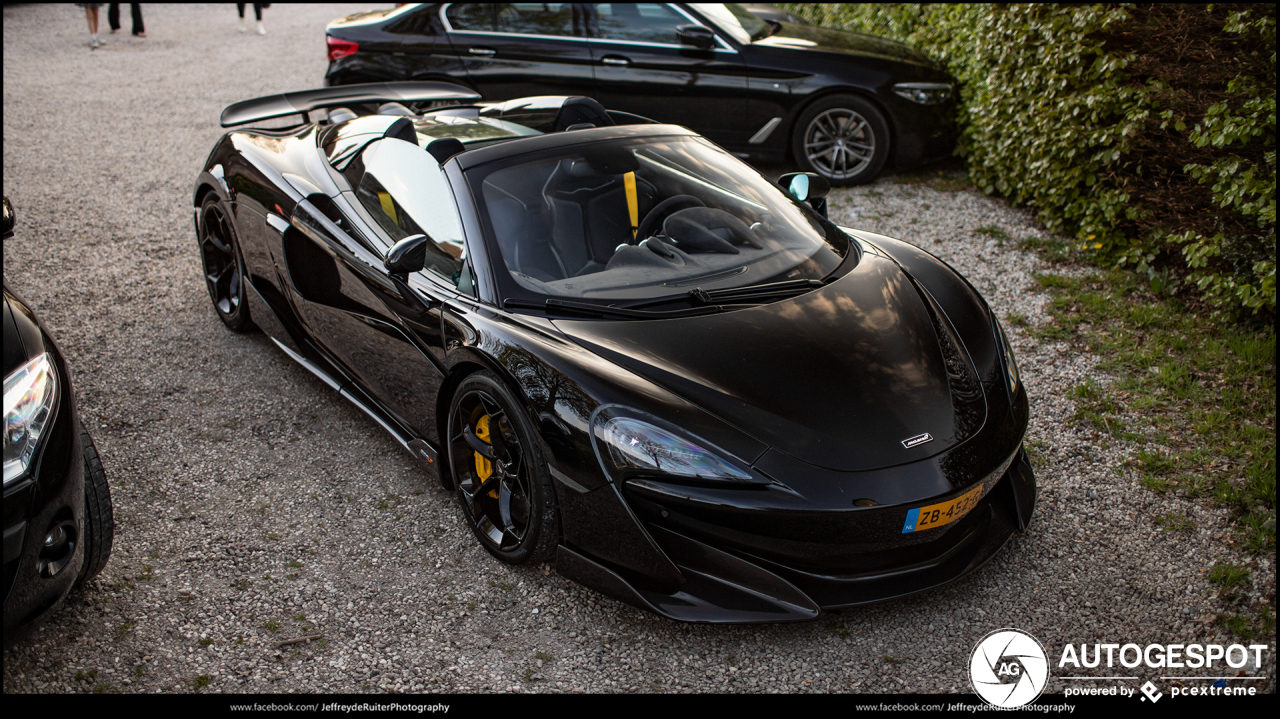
x=99, y=520
x=502, y=480
x=843, y=138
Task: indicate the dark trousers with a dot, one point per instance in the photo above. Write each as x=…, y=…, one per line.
x=113, y=17
x=257, y=10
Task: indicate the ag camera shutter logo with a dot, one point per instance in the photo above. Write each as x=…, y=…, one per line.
x=1008, y=668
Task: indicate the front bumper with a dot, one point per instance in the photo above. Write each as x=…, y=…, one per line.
x=739, y=565
x=52, y=494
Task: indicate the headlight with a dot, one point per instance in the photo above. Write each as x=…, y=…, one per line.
x=1006, y=354
x=631, y=442
x=924, y=93
x=30, y=396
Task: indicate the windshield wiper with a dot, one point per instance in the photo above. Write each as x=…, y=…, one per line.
x=586, y=308
x=751, y=293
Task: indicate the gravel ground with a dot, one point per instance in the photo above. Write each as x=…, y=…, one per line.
x=253, y=505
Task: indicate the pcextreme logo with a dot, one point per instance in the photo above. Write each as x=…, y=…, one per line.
x=1008, y=668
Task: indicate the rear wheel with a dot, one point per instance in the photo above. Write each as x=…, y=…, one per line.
x=843, y=138
x=501, y=478
x=99, y=521
x=223, y=265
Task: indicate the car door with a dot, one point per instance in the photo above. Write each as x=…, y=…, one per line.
x=512, y=50
x=384, y=334
x=642, y=68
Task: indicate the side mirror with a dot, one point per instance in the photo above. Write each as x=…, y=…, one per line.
x=7, y=223
x=696, y=35
x=805, y=186
x=407, y=255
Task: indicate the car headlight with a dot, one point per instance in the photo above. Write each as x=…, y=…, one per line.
x=1006, y=354
x=30, y=396
x=924, y=93
x=631, y=443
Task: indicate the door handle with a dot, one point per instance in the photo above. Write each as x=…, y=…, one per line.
x=615, y=60
x=483, y=51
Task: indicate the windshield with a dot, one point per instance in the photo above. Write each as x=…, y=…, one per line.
x=640, y=218
x=736, y=20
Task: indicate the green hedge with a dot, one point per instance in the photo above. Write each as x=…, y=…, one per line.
x=1145, y=131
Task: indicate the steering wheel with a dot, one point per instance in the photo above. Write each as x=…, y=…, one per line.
x=656, y=216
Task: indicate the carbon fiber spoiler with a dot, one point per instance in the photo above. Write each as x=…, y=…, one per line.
x=300, y=103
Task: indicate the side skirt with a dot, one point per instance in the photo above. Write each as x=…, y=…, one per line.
x=421, y=449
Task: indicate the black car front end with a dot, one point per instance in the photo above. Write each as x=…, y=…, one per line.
x=44, y=483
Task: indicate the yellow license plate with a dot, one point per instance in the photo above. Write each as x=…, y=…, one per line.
x=936, y=515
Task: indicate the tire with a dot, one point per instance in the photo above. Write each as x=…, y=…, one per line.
x=223, y=265
x=99, y=522
x=511, y=511
x=843, y=138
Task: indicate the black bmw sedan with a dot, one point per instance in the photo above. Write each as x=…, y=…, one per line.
x=57, y=507
x=841, y=104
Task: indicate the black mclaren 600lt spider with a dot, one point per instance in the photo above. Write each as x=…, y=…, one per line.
x=624, y=348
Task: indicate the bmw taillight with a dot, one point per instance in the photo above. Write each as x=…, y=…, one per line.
x=340, y=48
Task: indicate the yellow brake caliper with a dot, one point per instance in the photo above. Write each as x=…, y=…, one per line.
x=484, y=467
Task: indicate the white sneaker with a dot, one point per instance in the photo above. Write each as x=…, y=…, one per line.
x=94, y=42
x=261, y=30
x=242, y=27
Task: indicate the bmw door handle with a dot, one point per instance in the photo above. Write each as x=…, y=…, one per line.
x=615, y=60
x=483, y=51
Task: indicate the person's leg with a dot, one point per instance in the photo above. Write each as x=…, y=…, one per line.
x=136, y=10
x=91, y=14
x=240, y=9
x=257, y=14
x=113, y=17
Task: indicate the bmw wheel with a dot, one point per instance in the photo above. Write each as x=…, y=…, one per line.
x=843, y=138
x=501, y=478
x=223, y=266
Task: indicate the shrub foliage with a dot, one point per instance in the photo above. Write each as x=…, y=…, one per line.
x=1145, y=131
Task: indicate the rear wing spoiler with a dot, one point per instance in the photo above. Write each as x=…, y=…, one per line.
x=303, y=102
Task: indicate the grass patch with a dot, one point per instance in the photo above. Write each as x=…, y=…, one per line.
x=1230, y=577
x=994, y=232
x=544, y=656
x=1174, y=522
x=1097, y=408
x=950, y=177
x=200, y=682
x=1205, y=389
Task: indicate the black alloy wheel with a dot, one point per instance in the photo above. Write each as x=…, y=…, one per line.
x=223, y=266
x=502, y=481
x=843, y=138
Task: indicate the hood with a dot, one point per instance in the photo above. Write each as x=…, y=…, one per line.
x=821, y=39
x=837, y=378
